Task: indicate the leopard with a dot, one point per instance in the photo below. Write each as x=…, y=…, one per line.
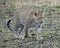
x=26, y=20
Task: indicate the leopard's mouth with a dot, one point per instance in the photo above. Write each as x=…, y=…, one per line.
x=41, y=22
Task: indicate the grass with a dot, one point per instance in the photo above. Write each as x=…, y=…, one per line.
x=7, y=39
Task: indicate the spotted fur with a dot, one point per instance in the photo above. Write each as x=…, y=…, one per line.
x=32, y=19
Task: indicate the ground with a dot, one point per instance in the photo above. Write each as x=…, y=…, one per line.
x=51, y=40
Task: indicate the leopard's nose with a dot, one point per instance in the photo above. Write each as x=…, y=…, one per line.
x=41, y=22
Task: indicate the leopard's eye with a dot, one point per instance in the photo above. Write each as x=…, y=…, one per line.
x=35, y=14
